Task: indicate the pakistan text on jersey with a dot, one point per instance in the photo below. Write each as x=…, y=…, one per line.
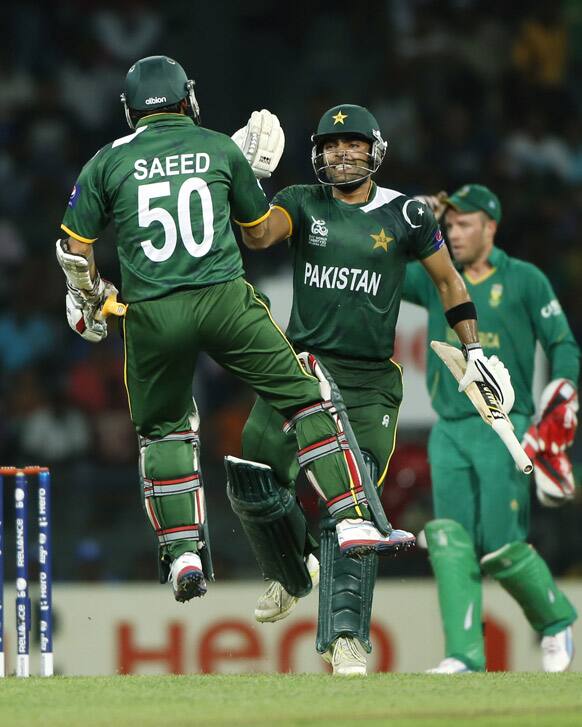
x=172, y=165
x=330, y=276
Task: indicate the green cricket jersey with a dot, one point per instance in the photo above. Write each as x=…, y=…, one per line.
x=349, y=266
x=170, y=189
x=516, y=306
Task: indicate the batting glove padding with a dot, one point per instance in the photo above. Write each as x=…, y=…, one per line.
x=262, y=142
x=491, y=371
x=83, y=313
x=557, y=420
x=546, y=441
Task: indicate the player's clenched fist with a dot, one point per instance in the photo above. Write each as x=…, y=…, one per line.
x=491, y=371
x=262, y=142
x=84, y=316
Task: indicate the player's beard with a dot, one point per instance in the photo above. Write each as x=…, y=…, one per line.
x=350, y=186
x=360, y=174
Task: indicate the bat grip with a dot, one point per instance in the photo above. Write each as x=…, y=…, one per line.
x=112, y=307
x=504, y=431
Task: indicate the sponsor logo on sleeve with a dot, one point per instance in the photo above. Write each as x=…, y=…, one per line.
x=553, y=308
x=75, y=193
x=438, y=240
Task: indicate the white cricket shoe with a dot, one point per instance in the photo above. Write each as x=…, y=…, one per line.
x=558, y=651
x=358, y=537
x=450, y=665
x=187, y=578
x=347, y=657
x=276, y=603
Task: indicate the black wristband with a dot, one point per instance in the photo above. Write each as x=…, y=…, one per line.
x=462, y=312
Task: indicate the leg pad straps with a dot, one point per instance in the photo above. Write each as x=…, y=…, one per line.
x=273, y=522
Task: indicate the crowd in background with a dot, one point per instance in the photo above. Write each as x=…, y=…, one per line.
x=464, y=91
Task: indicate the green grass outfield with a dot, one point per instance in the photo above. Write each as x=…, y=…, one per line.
x=380, y=699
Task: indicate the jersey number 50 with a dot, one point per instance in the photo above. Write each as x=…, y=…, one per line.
x=146, y=215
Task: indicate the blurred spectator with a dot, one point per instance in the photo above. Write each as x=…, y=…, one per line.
x=27, y=334
x=127, y=30
x=540, y=49
x=12, y=245
x=91, y=84
x=534, y=149
x=95, y=382
x=54, y=432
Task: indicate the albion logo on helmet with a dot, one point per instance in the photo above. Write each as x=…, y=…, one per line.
x=155, y=99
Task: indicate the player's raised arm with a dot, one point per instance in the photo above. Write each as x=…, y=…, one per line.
x=275, y=228
x=262, y=142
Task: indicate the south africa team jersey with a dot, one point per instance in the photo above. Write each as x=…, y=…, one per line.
x=349, y=266
x=170, y=189
x=516, y=306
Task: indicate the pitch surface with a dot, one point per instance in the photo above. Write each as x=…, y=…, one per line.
x=380, y=699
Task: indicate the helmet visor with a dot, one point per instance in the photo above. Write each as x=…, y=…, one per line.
x=342, y=166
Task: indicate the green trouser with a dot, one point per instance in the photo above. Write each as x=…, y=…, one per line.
x=162, y=340
x=481, y=505
x=372, y=393
x=475, y=482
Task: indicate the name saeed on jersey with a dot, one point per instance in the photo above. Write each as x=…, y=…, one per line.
x=331, y=276
x=171, y=165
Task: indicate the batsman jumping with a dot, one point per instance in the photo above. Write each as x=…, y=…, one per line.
x=170, y=188
x=350, y=240
x=481, y=499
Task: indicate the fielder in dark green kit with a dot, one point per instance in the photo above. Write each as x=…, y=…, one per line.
x=481, y=500
x=350, y=241
x=170, y=188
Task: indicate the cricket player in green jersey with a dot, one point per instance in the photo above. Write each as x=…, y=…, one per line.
x=481, y=500
x=170, y=188
x=350, y=240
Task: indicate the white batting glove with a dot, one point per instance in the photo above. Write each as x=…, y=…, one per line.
x=490, y=371
x=262, y=142
x=83, y=314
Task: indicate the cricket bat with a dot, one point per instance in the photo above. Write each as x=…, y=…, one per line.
x=484, y=400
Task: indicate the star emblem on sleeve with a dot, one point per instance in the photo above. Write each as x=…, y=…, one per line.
x=339, y=117
x=381, y=240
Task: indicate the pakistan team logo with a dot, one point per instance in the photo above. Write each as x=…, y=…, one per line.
x=318, y=236
x=382, y=240
x=495, y=295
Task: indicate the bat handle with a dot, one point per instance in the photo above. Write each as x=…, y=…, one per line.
x=112, y=307
x=504, y=431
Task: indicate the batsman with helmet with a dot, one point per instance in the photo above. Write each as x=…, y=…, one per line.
x=350, y=240
x=481, y=500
